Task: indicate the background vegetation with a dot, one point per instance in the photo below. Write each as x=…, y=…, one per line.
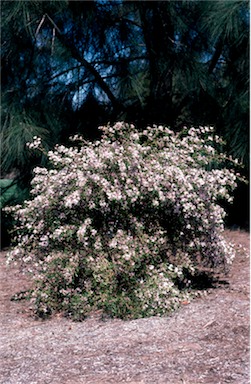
x=70, y=66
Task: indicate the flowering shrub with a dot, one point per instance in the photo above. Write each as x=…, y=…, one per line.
x=119, y=224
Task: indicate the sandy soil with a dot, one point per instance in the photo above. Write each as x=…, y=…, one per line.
x=206, y=341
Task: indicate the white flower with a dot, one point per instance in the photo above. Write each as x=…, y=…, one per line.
x=72, y=199
x=115, y=203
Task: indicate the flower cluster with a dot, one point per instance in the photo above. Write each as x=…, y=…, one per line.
x=37, y=142
x=117, y=223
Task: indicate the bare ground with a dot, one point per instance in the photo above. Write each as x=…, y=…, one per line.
x=206, y=341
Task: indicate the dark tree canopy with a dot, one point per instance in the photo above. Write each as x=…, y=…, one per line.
x=69, y=66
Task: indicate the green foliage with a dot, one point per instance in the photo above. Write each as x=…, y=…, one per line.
x=8, y=191
x=152, y=62
x=119, y=224
x=16, y=131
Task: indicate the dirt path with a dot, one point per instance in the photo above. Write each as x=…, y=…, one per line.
x=206, y=341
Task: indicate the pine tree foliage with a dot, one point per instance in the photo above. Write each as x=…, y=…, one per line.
x=170, y=62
